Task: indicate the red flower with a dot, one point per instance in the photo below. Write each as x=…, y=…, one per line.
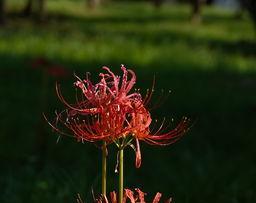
x=109, y=91
x=108, y=111
x=162, y=136
x=129, y=196
x=101, y=111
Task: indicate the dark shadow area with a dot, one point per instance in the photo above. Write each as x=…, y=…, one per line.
x=217, y=154
x=243, y=47
x=148, y=17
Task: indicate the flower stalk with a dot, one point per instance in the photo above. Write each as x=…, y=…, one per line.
x=109, y=112
x=104, y=169
x=121, y=175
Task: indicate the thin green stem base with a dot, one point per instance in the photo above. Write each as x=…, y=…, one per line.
x=104, y=169
x=121, y=176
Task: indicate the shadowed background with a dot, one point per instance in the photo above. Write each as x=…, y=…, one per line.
x=207, y=59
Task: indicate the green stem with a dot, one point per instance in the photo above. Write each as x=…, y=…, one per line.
x=104, y=169
x=121, y=175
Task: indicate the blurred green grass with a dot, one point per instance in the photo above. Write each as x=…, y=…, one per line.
x=209, y=67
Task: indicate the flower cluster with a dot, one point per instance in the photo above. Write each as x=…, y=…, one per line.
x=129, y=196
x=109, y=111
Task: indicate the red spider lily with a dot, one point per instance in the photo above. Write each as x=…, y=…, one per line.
x=129, y=195
x=108, y=111
x=141, y=121
x=109, y=91
x=101, y=111
x=108, y=125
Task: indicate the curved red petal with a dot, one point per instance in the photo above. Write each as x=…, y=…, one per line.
x=157, y=197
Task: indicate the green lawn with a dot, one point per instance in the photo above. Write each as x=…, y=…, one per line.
x=210, y=68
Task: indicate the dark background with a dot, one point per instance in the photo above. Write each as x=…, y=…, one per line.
x=206, y=58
